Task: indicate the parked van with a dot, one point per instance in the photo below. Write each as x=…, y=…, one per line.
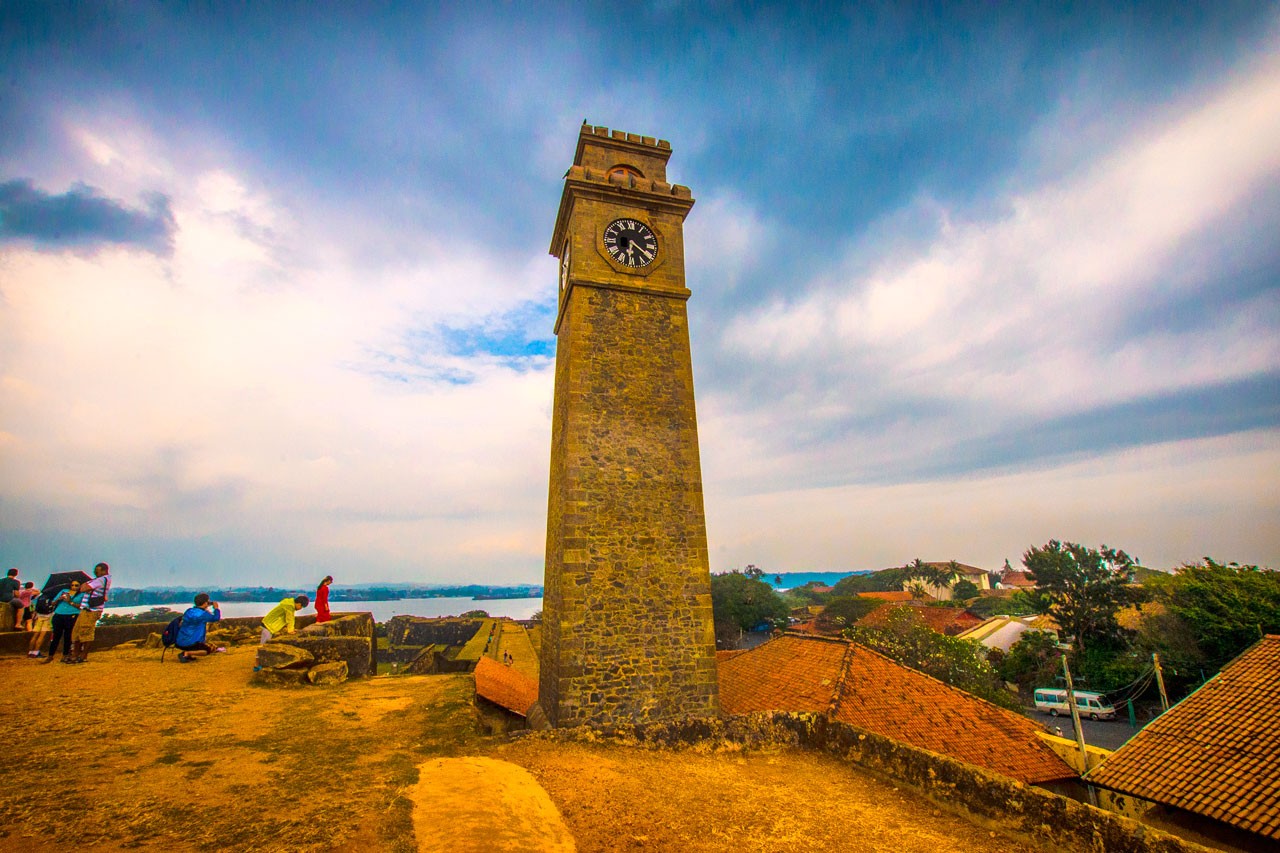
x=1088, y=704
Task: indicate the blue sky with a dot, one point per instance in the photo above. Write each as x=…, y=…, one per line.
x=275, y=297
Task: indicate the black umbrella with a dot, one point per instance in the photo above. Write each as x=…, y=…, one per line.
x=58, y=581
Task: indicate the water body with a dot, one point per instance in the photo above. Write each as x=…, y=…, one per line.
x=791, y=580
x=514, y=608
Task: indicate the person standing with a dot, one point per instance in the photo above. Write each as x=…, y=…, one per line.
x=42, y=610
x=9, y=586
x=65, y=613
x=322, y=599
x=195, y=623
x=280, y=619
x=91, y=607
x=25, y=595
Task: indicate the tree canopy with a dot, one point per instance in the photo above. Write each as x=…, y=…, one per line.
x=1085, y=587
x=1230, y=606
x=906, y=639
x=741, y=600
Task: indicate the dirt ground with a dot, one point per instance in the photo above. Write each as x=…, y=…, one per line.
x=126, y=753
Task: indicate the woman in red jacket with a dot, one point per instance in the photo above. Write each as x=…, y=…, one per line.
x=322, y=599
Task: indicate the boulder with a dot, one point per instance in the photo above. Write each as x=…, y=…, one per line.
x=283, y=656
x=328, y=673
x=280, y=677
x=153, y=641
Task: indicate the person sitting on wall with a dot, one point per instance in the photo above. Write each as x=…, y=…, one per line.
x=280, y=619
x=9, y=585
x=194, y=627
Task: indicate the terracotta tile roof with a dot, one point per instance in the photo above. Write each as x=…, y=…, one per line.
x=1017, y=580
x=944, y=620
x=965, y=570
x=886, y=596
x=505, y=686
x=1217, y=752
x=855, y=685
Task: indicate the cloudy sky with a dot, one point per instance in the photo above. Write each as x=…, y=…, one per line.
x=275, y=297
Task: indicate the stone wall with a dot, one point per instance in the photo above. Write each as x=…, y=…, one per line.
x=419, y=631
x=109, y=636
x=347, y=637
x=1042, y=818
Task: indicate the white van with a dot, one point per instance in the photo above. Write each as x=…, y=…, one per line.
x=1088, y=704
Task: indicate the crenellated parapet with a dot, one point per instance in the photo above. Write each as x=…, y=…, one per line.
x=624, y=180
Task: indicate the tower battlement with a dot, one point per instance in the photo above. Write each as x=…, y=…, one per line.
x=597, y=130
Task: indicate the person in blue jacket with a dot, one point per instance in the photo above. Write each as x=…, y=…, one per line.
x=195, y=624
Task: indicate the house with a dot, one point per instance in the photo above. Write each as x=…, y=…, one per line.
x=1212, y=762
x=1001, y=632
x=855, y=685
x=1010, y=579
x=976, y=576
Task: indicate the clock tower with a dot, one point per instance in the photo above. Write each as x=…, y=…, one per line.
x=627, y=634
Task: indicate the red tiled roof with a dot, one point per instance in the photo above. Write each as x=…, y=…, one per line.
x=855, y=685
x=1217, y=752
x=505, y=686
x=1021, y=580
x=886, y=596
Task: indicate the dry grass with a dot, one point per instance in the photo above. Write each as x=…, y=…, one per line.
x=124, y=753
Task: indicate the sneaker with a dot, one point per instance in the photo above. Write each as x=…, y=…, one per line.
x=182, y=658
x=33, y=654
x=220, y=649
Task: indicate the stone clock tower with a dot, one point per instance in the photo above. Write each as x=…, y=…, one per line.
x=627, y=630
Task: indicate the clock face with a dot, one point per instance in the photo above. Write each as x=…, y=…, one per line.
x=631, y=242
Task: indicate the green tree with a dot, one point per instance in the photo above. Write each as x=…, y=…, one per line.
x=885, y=580
x=739, y=602
x=961, y=663
x=1033, y=661
x=998, y=605
x=803, y=596
x=842, y=611
x=1230, y=605
x=1084, y=587
x=964, y=590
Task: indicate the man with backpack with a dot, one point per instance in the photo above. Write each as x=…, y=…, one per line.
x=194, y=626
x=43, y=608
x=91, y=607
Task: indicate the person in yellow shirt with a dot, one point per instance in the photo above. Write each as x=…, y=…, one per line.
x=279, y=620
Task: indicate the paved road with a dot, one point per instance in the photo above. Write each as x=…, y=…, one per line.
x=1108, y=734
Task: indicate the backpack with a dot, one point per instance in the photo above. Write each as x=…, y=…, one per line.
x=43, y=606
x=170, y=636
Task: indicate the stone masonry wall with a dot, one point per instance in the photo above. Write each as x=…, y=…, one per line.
x=628, y=631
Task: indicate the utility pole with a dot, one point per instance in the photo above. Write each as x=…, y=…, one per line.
x=1075, y=721
x=1164, y=697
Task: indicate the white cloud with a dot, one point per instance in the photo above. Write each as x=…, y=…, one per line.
x=1167, y=504
x=233, y=390
x=1016, y=310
